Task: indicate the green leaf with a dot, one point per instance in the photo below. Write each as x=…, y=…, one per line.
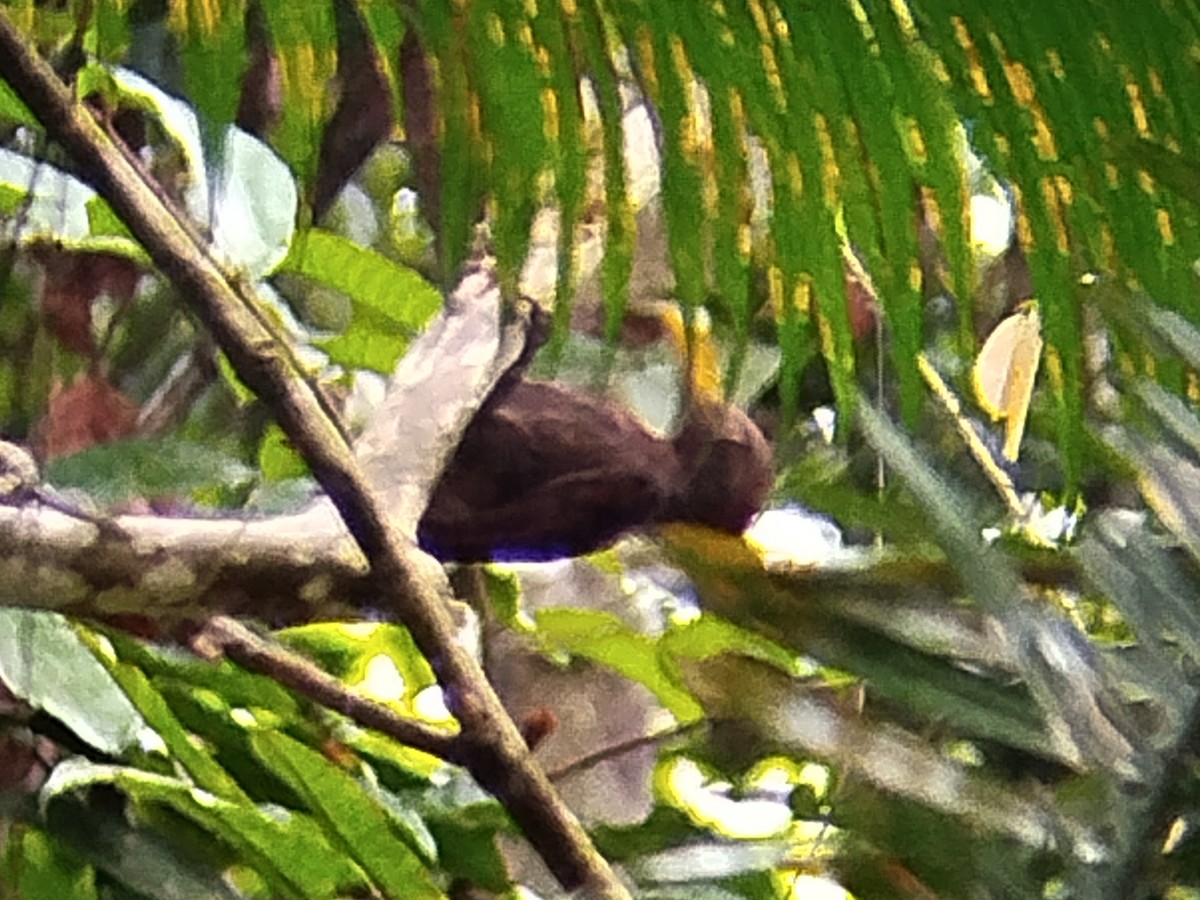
x=255, y=205
x=12, y=198
x=44, y=662
x=557, y=29
x=277, y=458
x=106, y=226
x=132, y=856
x=352, y=818
x=12, y=109
x=504, y=592
x=148, y=468
x=1124, y=562
x=213, y=47
x=305, y=41
x=516, y=125
x=54, y=204
x=371, y=281
x=39, y=869
x=462, y=186
x=664, y=828
x=289, y=851
x=990, y=580
x=234, y=685
x=617, y=265
x=822, y=479
x=227, y=731
x=349, y=651
x=710, y=636
x=470, y=851
x=682, y=185
x=373, y=341
x=193, y=759
x=604, y=638
x=466, y=823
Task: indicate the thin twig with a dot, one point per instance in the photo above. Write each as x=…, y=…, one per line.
x=237, y=642
x=614, y=751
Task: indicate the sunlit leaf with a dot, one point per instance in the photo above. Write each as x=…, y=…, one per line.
x=44, y=662
x=1005, y=372
x=38, y=867
x=254, y=211
x=370, y=280
x=602, y=637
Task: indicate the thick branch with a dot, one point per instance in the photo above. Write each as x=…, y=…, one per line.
x=283, y=571
x=409, y=583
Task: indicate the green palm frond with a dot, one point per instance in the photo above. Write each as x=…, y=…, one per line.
x=863, y=111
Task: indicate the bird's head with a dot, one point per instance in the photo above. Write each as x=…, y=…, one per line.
x=725, y=465
x=725, y=462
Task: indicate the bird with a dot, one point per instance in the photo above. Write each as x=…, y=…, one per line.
x=546, y=471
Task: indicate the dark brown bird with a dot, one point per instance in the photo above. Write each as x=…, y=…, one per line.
x=545, y=471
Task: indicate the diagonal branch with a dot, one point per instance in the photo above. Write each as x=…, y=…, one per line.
x=409, y=583
x=237, y=642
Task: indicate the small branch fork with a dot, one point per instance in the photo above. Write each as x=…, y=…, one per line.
x=408, y=584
